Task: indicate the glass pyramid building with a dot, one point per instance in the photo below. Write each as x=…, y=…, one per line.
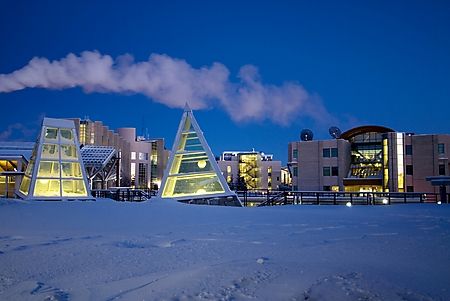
x=192, y=174
x=55, y=170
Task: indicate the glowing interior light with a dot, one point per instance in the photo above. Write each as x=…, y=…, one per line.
x=348, y=204
x=439, y=202
x=201, y=191
x=201, y=164
x=385, y=201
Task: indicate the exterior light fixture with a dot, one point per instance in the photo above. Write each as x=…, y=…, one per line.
x=201, y=164
x=201, y=191
x=439, y=202
x=348, y=204
x=385, y=201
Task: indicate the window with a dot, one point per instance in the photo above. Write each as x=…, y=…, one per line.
x=326, y=153
x=295, y=171
x=50, y=151
x=133, y=155
x=326, y=172
x=295, y=153
x=51, y=133
x=441, y=169
x=142, y=174
x=409, y=170
x=133, y=173
x=409, y=188
x=335, y=171
x=295, y=188
x=228, y=169
x=68, y=152
x=326, y=188
x=334, y=152
x=408, y=149
x=66, y=135
x=143, y=156
x=441, y=148
x=269, y=171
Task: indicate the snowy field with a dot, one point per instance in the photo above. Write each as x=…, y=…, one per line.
x=161, y=250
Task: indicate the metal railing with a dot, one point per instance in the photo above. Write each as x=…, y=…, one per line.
x=124, y=194
x=274, y=197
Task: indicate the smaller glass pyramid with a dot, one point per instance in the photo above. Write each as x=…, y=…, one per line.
x=192, y=172
x=55, y=170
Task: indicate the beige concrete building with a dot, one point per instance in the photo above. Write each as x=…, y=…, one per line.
x=253, y=170
x=369, y=159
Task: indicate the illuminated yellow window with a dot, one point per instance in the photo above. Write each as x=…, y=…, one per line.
x=50, y=151
x=25, y=185
x=47, y=188
x=66, y=136
x=51, y=134
x=71, y=170
x=177, y=186
x=48, y=169
x=73, y=188
x=68, y=152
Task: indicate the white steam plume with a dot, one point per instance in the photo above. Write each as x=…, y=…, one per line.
x=171, y=82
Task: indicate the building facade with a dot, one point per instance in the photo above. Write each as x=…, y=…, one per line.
x=142, y=160
x=250, y=170
x=14, y=157
x=369, y=159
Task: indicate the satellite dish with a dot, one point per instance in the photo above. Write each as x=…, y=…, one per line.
x=306, y=135
x=335, y=132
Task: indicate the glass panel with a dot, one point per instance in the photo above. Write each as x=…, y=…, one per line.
x=249, y=170
x=48, y=169
x=334, y=152
x=71, y=170
x=25, y=185
x=50, y=151
x=51, y=134
x=73, y=188
x=47, y=187
x=30, y=166
x=68, y=152
x=192, y=185
x=189, y=163
x=66, y=136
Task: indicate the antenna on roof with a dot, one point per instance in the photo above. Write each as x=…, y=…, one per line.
x=335, y=132
x=306, y=135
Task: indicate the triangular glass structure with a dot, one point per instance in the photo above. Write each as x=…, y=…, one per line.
x=192, y=174
x=55, y=170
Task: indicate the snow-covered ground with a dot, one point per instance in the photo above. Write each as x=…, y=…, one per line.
x=162, y=250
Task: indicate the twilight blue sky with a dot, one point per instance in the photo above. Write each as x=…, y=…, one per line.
x=358, y=62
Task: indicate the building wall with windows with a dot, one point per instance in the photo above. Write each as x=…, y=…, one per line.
x=369, y=158
x=148, y=159
x=319, y=165
x=250, y=170
x=142, y=161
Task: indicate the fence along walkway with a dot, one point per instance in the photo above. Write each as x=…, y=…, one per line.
x=124, y=194
x=271, y=198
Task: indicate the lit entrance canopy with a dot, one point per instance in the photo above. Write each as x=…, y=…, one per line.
x=192, y=174
x=55, y=171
